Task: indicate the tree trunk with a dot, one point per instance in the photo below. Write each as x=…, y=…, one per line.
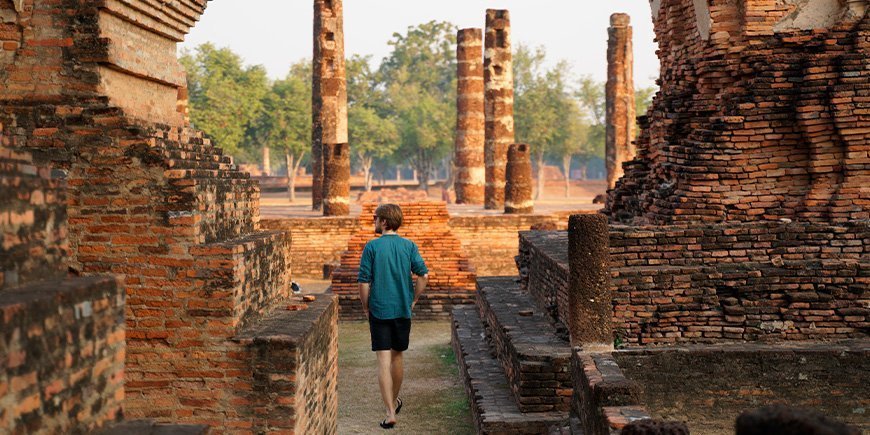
x=566, y=168
x=540, y=191
x=291, y=177
x=582, y=169
x=367, y=171
x=267, y=163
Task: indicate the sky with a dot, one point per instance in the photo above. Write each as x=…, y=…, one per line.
x=276, y=33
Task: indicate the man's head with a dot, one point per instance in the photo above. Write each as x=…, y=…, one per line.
x=388, y=217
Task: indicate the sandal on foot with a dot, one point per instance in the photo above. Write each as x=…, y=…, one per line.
x=386, y=425
x=398, y=408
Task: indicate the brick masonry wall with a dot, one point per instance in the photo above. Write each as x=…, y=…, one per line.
x=756, y=119
x=709, y=386
x=63, y=356
x=33, y=227
x=769, y=281
x=604, y=399
x=316, y=241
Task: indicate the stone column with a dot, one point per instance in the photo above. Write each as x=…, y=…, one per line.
x=329, y=89
x=590, y=312
x=470, y=119
x=620, y=98
x=498, y=103
x=336, y=179
x=518, y=191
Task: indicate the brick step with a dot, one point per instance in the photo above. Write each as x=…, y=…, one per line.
x=493, y=407
x=197, y=155
x=536, y=361
x=208, y=174
x=148, y=427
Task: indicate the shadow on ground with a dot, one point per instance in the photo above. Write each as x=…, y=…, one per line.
x=435, y=401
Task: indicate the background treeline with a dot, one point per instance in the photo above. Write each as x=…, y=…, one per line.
x=401, y=112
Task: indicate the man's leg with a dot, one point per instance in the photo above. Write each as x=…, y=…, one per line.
x=397, y=373
x=385, y=381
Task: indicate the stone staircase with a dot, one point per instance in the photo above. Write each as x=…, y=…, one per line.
x=517, y=371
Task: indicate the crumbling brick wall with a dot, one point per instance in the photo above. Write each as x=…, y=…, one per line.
x=765, y=281
x=758, y=117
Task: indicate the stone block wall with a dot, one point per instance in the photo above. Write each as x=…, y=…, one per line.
x=759, y=116
x=63, y=356
x=709, y=386
x=764, y=281
x=451, y=276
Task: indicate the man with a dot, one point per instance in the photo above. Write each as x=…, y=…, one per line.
x=387, y=296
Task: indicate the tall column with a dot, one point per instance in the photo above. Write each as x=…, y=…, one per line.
x=498, y=80
x=620, y=97
x=336, y=179
x=329, y=89
x=470, y=119
x=518, y=191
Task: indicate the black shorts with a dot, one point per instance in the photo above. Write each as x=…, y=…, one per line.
x=389, y=334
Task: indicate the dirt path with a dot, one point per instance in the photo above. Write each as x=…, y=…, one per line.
x=435, y=401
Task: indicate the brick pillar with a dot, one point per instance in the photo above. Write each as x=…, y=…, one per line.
x=590, y=311
x=620, y=97
x=498, y=80
x=329, y=88
x=470, y=119
x=336, y=179
x=518, y=191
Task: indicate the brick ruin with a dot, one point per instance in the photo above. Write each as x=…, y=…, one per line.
x=518, y=189
x=620, y=105
x=470, y=119
x=331, y=192
x=729, y=268
x=759, y=117
x=498, y=79
x=92, y=90
x=451, y=276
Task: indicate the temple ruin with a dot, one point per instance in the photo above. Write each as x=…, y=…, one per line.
x=498, y=80
x=329, y=104
x=470, y=119
x=620, y=109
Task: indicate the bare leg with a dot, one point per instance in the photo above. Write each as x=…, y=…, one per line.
x=397, y=372
x=385, y=381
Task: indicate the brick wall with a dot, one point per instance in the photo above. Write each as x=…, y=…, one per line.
x=489, y=241
x=769, y=281
x=604, y=399
x=63, y=356
x=757, y=118
x=709, y=386
x=316, y=241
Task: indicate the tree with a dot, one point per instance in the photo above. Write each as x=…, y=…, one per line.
x=643, y=98
x=592, y=98
x=225, y=96
x=284, y=121
x=419, y=83
x=372, y=137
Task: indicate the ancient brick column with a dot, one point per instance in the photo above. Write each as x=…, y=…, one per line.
x=518, y=191
x=498, y=103
x=589, y=301
x=470, y=119
x=336, y=179
x=329, y=88
x=620, y=97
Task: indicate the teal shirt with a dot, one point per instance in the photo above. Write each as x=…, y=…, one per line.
x=386, y=264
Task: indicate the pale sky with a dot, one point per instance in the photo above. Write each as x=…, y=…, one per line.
x=275, y=33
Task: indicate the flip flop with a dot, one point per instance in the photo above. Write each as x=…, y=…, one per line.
x=398, y=408
x=386, y=425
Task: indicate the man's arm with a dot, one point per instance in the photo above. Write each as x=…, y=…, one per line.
x=364, y=289
x=422, y=281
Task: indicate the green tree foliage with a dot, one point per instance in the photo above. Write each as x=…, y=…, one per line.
x=547, y=114
x=419, y=83
x=643, y=98
x=225, y=96
x=284, y=121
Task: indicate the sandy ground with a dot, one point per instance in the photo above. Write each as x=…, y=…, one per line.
x=435, y=401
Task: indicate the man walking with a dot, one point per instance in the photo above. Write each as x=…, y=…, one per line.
x=387, y=296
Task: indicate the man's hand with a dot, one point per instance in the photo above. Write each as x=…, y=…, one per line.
x=364, y=289
x=422, y=281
